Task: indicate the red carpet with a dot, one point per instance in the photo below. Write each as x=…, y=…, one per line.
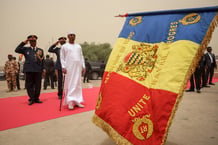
x=16, y=112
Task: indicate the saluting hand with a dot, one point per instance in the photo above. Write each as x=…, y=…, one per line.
x=57, y=42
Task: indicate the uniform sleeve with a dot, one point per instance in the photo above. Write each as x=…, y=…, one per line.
x=16, y=67
x=52, y=48
x=5, y=66
x=20, y=48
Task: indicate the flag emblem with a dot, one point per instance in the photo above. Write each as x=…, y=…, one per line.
x=136, y=20
x=190, y=19
x=140, y=61
x=143, y=126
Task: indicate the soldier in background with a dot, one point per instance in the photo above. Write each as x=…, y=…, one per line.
x=49, y=75
x=11, y=69
x=56, y=50
x=17, y=74
x=88, y=70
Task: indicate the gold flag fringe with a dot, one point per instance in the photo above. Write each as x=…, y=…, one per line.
x=191, y=70
x=114, y=135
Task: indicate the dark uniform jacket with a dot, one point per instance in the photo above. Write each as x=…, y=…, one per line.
x=208, y=60
x=49, y=65
x=34, y=60
x=56, y=50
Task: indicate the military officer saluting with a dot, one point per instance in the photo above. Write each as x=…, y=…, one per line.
x=56, y=50
x=33, y=67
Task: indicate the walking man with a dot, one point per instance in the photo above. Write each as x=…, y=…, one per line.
x=72, y=62
x=33, y=67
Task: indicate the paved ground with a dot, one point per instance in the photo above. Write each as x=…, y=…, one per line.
x=195, y=123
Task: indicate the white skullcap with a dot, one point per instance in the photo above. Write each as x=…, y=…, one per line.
x=71, y=32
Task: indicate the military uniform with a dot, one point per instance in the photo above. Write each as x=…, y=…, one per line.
x=11, y=69
x=33, y=68
x=56, y=50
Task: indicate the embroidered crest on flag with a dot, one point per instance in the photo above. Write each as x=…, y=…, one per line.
x=136, y=20
x=190, y=19
x=143, y=126
x=138, y=63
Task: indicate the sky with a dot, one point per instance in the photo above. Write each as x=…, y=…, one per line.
x=91, y=20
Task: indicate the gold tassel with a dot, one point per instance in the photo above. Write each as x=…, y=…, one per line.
x=114, y=135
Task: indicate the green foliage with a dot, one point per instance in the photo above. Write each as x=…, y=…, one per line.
x=96, y=52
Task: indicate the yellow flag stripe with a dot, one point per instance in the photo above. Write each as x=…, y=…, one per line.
x=171, y=66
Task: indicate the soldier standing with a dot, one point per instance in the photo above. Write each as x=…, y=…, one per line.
x=56, y=50
x=49, y=75
x=17, y=74
x=11, y=69
x=33, y=67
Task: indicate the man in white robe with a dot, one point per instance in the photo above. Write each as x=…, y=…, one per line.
x=72, y=62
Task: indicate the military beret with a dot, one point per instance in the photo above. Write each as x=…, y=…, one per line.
x=32, y=37
x=62, y=38
x=9, y=54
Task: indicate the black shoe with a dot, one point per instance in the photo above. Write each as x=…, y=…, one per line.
x=31, y=102
x=211, y=84
x=60, y=97
x=38, y=101
x=190, y=90
x=198, y=91
x=206, y=86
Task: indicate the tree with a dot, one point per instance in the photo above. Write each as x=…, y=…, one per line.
x=96, y=52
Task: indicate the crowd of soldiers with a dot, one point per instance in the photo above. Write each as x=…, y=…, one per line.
x=12, y=70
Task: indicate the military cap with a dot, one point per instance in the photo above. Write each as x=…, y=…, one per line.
x=62, y=38
x=32, y=37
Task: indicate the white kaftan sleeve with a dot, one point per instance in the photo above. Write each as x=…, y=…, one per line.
x=63, y=57
x=83, y=61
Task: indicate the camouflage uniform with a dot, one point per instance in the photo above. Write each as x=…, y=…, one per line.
x=11, y=68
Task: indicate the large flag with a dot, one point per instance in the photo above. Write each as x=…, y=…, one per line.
x=147, y=72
